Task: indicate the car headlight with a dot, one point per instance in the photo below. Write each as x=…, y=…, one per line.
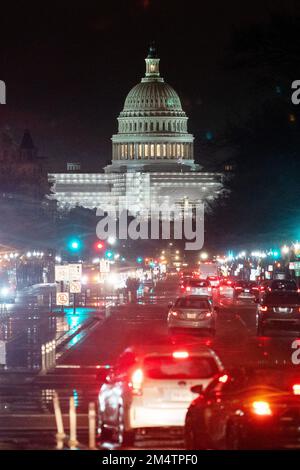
x=4, y=291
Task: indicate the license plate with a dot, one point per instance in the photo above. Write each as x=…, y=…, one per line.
x=284, y=310
x=192, y=316
x=247, y=290
x=180, y=395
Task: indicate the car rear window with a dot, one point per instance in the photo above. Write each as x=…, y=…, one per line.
x=282, y=298
x=285, y=285
x=199, y=283
x=190, y=302
x=166, y=367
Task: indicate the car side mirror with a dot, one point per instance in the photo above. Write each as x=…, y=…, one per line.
x=198, y=389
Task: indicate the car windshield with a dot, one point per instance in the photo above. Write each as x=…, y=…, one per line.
x=282, y=298
x=190, y=302
x=166, y=367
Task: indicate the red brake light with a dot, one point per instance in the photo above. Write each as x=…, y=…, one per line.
x=296, y=389
x=209, y=289
x=261, y=408
x=180, y=354
x=188, y=289
x=263, y=308
x=137, y=381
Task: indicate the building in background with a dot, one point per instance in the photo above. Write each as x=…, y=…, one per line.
x=152, y=156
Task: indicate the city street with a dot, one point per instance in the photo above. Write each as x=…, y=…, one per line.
x=93, y=342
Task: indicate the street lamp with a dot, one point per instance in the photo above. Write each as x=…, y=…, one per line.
x=285, y=249
x=203, y=255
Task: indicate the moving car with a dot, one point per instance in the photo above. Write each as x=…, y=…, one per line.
x=196, y=287
x=246, y=409
x=192, y=311
x=226, y=288
x=214, y=281
x=278, y=309
x=246, y=290
x=151, y=388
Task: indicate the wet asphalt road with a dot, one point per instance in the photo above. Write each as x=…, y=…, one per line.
x=82, y=364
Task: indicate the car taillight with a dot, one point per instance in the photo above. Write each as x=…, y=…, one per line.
x=188, y=289
x=209, y=289
x=180, y=354
x=208, y=314
x=221, y=288
x=298, y=290
x=296, y=389
x=174, y=313
x=137, y=381
x=254, y=288
x=263, y=308
x=261, y=408
x=238, y=288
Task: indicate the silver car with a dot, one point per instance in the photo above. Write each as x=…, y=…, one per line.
x=192, y=311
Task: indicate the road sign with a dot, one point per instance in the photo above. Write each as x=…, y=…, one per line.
x=104, y=266
x=75, y=272
x=62, y=298
x=75, y=287
x=61, y=273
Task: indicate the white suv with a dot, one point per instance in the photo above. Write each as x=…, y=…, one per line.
x=152, y=389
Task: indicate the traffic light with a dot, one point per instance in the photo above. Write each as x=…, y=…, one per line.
x=139, y=260
x=109, y=254
x=74, y=245
x=98, y=245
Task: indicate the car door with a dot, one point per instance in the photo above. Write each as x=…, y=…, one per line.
x=220, y=403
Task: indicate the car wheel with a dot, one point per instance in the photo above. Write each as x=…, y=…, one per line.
x=104, y=434
x=121, y=436
x=233, y=438
x=194, y=441
x=260, y=330
x=189, y=438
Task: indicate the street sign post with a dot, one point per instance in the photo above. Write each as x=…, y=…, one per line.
x=75, y=272
x=104, y=266
x=75, y=287
x=62, y=273
x=62, y=298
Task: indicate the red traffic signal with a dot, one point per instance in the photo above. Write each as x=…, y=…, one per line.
x=98, y=246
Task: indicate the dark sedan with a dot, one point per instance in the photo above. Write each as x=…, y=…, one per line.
x=280, y=309
x=257, y=409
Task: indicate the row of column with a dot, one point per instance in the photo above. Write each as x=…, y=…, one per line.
x=143, y=151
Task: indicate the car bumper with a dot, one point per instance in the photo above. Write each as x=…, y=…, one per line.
x=178, y=323
x=156, y=417
x=274, y=436
x=279, y=322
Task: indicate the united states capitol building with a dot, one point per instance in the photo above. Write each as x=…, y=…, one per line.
x=152, y=156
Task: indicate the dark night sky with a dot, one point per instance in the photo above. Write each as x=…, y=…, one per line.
x=69, y=66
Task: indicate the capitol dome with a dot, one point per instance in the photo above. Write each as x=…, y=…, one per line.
x=152, y=127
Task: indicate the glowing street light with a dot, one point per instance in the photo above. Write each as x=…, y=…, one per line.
x=285, y=249
x=111, y=240
x=203, y=255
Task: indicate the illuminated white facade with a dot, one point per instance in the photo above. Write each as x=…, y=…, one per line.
x=152, y=156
